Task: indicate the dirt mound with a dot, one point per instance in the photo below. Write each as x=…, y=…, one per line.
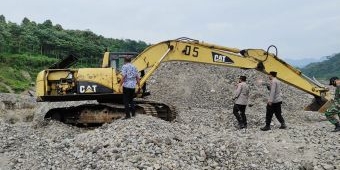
x=206, y=86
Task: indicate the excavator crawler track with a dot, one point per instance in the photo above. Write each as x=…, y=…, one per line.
x=164, y=111
x=97, y=114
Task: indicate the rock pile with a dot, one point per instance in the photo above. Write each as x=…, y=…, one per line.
x=203, y=136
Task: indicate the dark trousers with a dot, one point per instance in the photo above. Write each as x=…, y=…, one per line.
x=275, y=108
x=128, y=95
x=240, y=113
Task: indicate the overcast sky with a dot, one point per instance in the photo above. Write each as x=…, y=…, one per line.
x=299, y=28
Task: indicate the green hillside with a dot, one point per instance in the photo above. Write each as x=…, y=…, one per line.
x=18, y=71
x=28, y=47
x=325, y=69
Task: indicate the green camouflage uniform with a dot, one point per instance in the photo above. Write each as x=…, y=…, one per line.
x=335, y=108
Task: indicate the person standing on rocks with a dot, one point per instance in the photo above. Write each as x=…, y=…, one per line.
x=274, y=102
x=335, y=108
x=240, y=97
x=129, y=81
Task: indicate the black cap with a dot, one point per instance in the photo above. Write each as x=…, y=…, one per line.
x=273, y=73
x=332, y=80
x=243, y=78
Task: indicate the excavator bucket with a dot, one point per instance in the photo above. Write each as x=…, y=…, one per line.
x=320, y=105
x=325, y=106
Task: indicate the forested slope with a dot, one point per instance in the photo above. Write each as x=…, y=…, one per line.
x=325, y=69
x=53, y=41
x=28, y=47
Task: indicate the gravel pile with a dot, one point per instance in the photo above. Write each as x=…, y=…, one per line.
x=204, y=135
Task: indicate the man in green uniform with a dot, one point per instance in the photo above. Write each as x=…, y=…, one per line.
x=335, y=108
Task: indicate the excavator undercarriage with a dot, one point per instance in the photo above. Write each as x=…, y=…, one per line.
x=97, y=114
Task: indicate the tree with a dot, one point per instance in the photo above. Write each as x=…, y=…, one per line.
x=25, y=21
x=15, y=43
x=2, y=19
x=47, y=24
x=4, y=34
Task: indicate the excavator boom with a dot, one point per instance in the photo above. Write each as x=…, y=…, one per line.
x=189, y=50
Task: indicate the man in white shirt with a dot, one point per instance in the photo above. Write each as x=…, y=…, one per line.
x=240, y=97
x=274, y=102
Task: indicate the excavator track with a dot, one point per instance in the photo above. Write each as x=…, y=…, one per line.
x=97, y=114
x=164, y=111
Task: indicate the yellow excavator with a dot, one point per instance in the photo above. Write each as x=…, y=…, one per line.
x=60, y=83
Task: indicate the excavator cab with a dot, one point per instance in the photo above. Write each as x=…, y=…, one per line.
x=116, y=59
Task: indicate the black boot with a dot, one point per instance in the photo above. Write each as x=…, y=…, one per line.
x=242, y=126
x=283, y=126
x=266, y=128
x=337, y=128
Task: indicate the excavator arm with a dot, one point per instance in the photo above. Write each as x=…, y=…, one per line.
x=189, y=50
